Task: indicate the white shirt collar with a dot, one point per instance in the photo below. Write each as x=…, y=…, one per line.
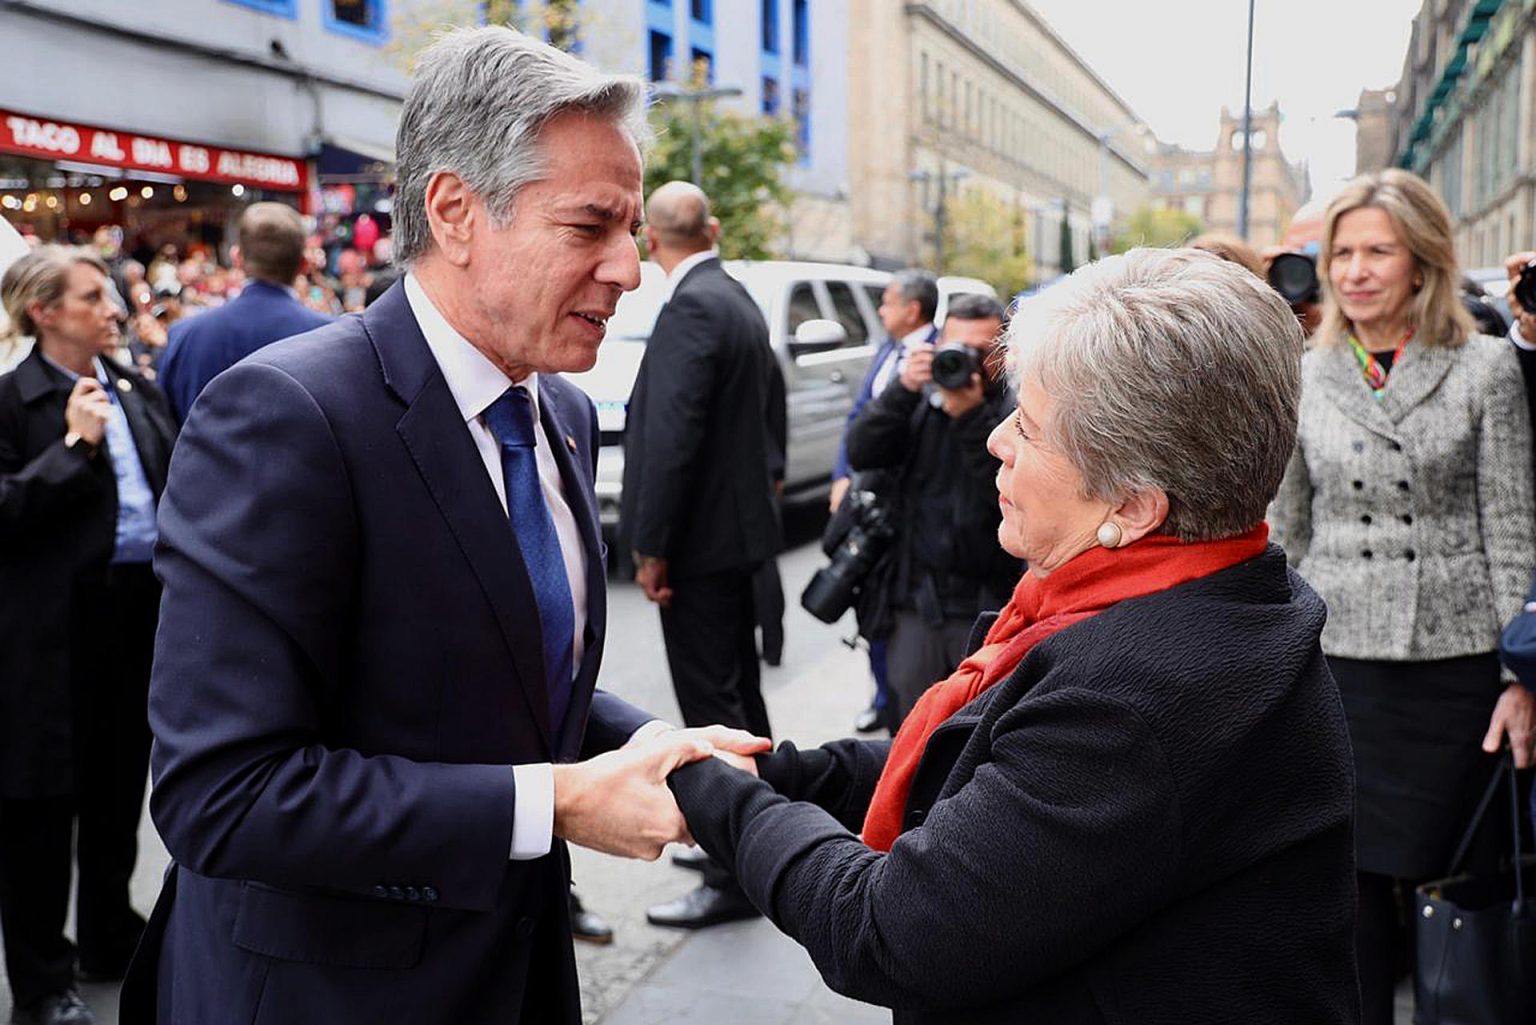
x=687, y=264
x=473, y=380
x=917, y=336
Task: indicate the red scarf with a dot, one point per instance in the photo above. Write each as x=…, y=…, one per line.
x=1088, y=584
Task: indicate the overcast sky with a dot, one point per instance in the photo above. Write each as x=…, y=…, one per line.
x=1177, y=62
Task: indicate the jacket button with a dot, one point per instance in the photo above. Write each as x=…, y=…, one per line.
x=918, y=815
x=1407, y=520
x=1402, y=485
x=1367, y=554
x=1409, y=555
x=396, y=893
x=1366, y=519
x=412, y=894
x=1359, y=485
x=1397, y=446
x=429, y=894
x=524, y=928
x=381, y=892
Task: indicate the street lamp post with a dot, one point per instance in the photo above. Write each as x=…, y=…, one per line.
x=1242, y=200
x=940, y=212
x=696, y=98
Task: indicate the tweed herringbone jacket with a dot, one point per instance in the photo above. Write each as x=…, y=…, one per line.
x=1412, y=515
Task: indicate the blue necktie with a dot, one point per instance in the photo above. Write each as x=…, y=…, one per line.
x=510, y=419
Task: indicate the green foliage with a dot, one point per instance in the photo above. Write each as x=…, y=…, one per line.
x=1149, y=226
x=742, y=163
x=984, y=238
x=558, y=20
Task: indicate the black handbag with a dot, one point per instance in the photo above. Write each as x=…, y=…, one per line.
x=1475, y=934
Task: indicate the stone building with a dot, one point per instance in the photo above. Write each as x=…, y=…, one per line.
x=1208, y=183
x=1373, y=129
x=959, y=95
x=1464, y=119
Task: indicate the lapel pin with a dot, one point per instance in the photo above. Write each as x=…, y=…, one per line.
x=123, y=385
x=570, y=443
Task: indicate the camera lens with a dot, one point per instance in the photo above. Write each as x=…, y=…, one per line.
x=1294, y=276
x=1525, y=288
x=953, y=366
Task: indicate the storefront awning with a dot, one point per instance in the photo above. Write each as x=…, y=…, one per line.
x=128, y=152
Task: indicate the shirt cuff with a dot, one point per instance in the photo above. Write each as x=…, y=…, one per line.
x=651, y=729
x=533, y=817
x=1519, y=339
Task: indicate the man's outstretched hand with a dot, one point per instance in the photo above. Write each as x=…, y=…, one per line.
x=618, y=802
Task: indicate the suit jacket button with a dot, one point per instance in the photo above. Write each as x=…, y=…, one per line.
x=1402, y=485
x=381, y=892
x=412, y=894
x=1366, y=519
x=1367, y=554
x=524, y=928
x=1397, y=446
x=1407, y=520
x=428, y=894
x=1359, y=485
x=396, y=893
x=1409, y=555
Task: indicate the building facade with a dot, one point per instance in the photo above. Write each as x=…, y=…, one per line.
x=1465, y=120
x=1373, y=116
x=1208, y=183
x=167, y=116
x=951, y=96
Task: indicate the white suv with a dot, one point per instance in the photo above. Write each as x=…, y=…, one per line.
x=823, y=328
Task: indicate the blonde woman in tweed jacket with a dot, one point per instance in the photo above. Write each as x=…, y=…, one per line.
x=1407, y=505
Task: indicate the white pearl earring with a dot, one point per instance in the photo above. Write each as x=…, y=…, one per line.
x=1109, y=534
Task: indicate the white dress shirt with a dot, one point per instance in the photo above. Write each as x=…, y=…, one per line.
x=475, y=382
x=910, y=342
x=1518, y=338
x=683, y=267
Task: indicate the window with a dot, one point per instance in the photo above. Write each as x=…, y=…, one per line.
x=802, y=306
x=770, y=26
x=366, y=20
x=846, y=308
x=702, y=10
x=923, y=90
x=281, y=8
x=770, y=97
x=702, y=64
x=802, y=28
x=802, y=112
x=660, y=57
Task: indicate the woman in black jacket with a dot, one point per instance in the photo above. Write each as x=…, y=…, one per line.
x=1133, y=802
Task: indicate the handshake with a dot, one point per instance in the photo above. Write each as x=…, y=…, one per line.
x=619, y=803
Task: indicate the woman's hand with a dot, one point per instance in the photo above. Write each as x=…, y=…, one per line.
x=1515, y=714
x=88, y=410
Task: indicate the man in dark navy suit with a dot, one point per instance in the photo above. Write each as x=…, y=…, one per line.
x=374, y=706
x=271, y=250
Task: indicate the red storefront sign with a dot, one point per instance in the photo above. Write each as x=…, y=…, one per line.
x=59, y=140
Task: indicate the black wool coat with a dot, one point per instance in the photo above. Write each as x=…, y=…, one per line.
x=1148, y=821
x=58, y=523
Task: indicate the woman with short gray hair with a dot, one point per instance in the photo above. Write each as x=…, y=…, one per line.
x=1133, y=800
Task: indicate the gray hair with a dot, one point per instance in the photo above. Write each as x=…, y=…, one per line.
x=920, y=286
x=1173, y=369
x=479, y=99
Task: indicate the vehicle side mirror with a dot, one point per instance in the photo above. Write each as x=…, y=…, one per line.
x=818, y=336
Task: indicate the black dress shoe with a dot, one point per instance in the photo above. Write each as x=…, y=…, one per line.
x=64, y=1008
x=692, y=858
x=708, y=905
x=870, y=720
x=588, y=926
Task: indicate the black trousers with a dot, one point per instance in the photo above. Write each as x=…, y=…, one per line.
x=112, y=648
x=712, y=651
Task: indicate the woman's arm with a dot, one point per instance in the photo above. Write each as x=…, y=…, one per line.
x=1064, y=840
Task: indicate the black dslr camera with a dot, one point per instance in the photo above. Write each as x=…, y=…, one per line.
x=953, y=365
x=871, y=530
x=1294, y=276
x=1525, y=288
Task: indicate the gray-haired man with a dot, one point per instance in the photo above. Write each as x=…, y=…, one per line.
x=373, y=698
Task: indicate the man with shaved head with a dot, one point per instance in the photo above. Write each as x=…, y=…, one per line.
x=698, y=506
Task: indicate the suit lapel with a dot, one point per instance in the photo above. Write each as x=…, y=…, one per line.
x=1414, y=378
x=564, y=432
x=444, y=454
x=151, y=436
x=1342, y=384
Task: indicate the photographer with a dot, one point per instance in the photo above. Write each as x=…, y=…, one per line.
x=931, y=431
